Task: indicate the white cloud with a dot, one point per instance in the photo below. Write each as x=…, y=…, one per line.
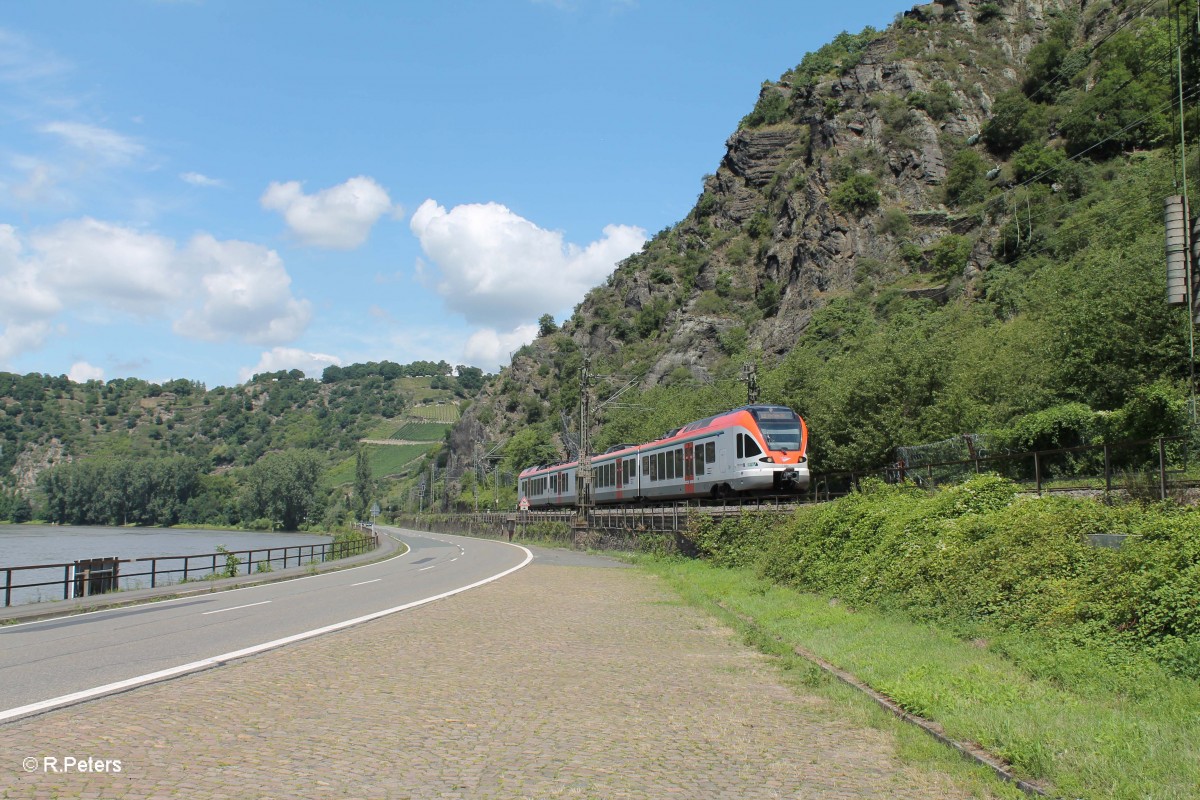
x=339, y=217
x=216, y=290
x=490, y=349
x=82, y=372
x=18, y=338
x=24, y=298
x=289, y=358
x=97, y=142
x=246, y=294
x=198, y=179
x=501, y=270
x=87, y=261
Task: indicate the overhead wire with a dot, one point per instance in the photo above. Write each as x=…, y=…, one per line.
x=986, y=204
x=981, y=208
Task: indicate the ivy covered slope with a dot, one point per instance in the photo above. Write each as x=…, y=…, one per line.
x=129, y=451
x=953, y=225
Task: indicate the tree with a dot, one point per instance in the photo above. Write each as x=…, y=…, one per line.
x=364, y=484
x=282, y=487
x=546, y=325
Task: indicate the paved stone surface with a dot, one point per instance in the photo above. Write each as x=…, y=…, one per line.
x=556, y=682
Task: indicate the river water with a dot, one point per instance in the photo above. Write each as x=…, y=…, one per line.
x=23, y=545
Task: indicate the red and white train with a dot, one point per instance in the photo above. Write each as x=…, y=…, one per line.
x=754, y=449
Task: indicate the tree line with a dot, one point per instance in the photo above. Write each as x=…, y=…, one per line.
x=281, y=490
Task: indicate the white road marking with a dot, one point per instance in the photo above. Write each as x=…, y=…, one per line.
x=454, y=559
x=205, y=663
x=364, y=583
x=431, y=566
x=234, y=608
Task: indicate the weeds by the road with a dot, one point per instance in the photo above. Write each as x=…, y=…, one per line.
x=1076, y=731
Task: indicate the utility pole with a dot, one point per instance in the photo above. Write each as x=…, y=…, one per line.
x=583, y=476
x=749, y=376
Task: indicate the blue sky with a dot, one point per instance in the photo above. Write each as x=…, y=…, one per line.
x=211, y=189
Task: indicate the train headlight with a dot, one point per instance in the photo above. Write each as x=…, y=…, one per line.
x=767, y=460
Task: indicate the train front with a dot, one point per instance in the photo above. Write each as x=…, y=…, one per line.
x=786, y=437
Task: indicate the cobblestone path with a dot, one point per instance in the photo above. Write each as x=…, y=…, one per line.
x=555, y=682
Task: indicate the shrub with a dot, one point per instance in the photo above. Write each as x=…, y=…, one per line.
x=966, y=181
x=771, y=108
x=857, y=195
x=1016, y=120
x=948, y=256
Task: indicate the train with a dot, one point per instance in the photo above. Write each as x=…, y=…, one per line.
x=754, y=449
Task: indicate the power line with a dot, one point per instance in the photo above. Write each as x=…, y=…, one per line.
x=991, y=201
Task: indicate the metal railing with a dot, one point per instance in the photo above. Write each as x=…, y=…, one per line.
x=82, y=579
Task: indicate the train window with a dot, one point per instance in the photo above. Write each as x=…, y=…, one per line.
x=741, y=449
x=631, y=469
x=710, y=452
x=670, y=465
x=653, y=471
x=662, y=466
x=699, y=460
x=752, y=448
x=646, y=465
x=679, y=463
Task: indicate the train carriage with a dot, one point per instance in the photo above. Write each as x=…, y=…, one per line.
x=756, y=449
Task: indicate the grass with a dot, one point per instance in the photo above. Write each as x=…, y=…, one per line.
x=446, y=413
x=420, y=432
x=1080, y=733
x=384, y=460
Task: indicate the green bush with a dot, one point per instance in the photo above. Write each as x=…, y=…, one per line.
x=1016, y=121
x=771, y=108
x=948, y=256
x=857, y=195
x=983, y=562
x=966, y=181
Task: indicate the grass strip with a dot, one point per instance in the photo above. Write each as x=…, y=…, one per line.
x=1079, y=742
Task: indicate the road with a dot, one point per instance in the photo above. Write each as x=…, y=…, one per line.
x=55, y=662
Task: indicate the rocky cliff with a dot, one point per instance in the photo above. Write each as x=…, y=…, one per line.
x=835, y=183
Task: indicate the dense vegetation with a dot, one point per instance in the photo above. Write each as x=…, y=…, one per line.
x=280, y=451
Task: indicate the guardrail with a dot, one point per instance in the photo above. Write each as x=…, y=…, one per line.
x=97, y=576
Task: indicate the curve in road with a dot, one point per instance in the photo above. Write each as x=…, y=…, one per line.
x=52, y=663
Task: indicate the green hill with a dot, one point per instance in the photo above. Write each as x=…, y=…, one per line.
x=192, y=449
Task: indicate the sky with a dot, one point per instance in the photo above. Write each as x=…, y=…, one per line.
x=210, y=189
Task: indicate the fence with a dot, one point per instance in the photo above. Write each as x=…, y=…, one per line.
x=1147, y=468
x=96, y=576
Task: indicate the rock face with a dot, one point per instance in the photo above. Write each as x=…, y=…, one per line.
x=773, y=237
x=33, y=461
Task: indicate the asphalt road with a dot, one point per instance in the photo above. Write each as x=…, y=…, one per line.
x=54, y=662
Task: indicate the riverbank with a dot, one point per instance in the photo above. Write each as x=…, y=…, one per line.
x=388, y=547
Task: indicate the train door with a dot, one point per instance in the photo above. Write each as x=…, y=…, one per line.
x=689, y=468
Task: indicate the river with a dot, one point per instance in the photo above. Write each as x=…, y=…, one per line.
x=22, y=545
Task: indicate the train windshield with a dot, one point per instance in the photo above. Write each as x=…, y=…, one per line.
x=780, y=427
